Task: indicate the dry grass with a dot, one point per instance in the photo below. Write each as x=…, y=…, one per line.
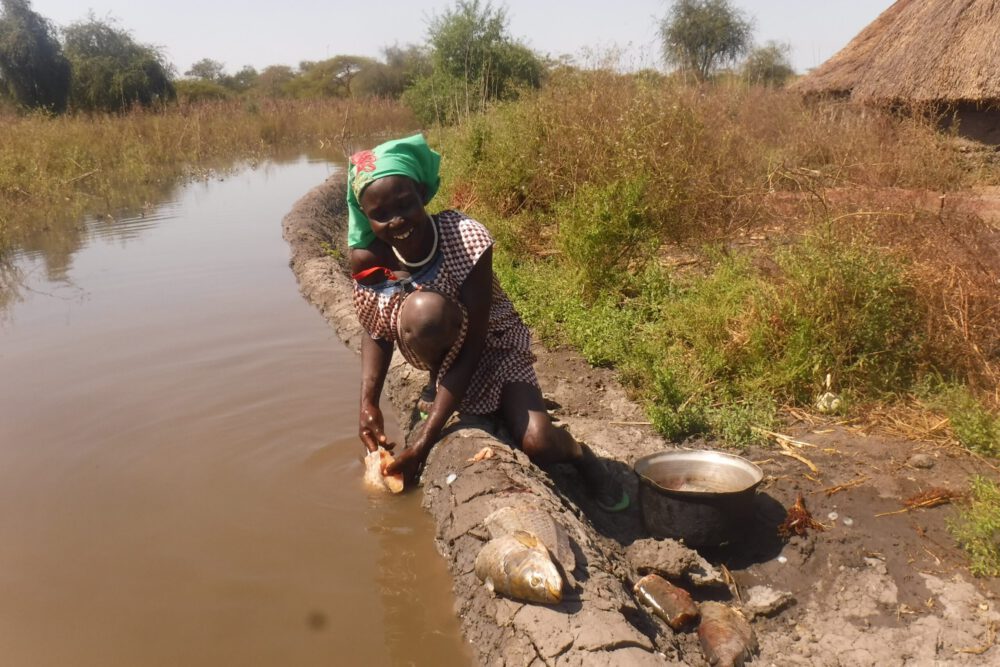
x=829, y=248
x=918, y=51
x=62, y=168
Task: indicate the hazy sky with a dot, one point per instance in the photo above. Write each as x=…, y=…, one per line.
x=284, y=32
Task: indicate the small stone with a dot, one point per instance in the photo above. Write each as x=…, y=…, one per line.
x=450, y=478
x=782, y=559
x=672, y=604
x=828, y=402
x=764, y=601
x=922, y=461
x=832, y=516
x=848, y=521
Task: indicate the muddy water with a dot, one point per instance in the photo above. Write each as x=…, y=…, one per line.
x=179, y=471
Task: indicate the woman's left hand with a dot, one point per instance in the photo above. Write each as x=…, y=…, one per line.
x=408, y=462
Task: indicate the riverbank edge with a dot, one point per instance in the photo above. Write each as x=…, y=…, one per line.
x=597, y=623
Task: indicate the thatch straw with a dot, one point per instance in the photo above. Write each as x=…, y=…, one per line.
x=918, y=51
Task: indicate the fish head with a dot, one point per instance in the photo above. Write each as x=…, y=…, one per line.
x=545, y=582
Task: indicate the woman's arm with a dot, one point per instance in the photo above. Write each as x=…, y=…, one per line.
x=476, y=295
x=375, y=357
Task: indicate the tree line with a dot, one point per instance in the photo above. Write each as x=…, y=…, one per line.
x=469, y=61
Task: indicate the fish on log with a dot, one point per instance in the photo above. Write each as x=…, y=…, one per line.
x=539, y=523
x=518, y=565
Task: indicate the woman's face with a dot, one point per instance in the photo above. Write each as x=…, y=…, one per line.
x=394, y=206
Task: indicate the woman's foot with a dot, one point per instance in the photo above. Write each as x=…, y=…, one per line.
x=604, y=487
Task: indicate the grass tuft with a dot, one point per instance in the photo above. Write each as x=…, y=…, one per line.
x=975, y=426
x=977, y=528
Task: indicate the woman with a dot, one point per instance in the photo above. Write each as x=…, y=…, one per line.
x=426, y=283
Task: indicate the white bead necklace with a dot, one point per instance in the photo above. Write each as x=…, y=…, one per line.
x=430, y=255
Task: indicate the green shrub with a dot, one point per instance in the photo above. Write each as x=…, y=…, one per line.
x=720, y=351
x=192, y=91
x=977, y=528
x=604, y=232
x=584, y=182
x=975, y=426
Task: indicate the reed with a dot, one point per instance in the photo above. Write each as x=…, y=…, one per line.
x=55, y=169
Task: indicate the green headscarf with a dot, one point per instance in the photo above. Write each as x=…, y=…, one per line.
x=401, y=157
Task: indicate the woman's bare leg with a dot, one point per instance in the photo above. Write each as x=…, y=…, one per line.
x=524, y=413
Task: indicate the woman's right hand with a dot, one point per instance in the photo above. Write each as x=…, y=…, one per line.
x=371, y=428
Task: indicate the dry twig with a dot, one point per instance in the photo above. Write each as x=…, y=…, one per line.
x=991, y=637
x=727, y=576
x=831, y=490
x=929, y=498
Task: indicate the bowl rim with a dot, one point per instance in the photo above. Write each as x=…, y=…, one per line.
x=643, y=463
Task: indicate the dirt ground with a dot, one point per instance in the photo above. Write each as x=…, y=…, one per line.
x=866, y=590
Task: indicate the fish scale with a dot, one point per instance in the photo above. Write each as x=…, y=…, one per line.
x=539, y=523
x=518, y=566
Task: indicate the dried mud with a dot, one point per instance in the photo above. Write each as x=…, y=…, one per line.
x=890, y=590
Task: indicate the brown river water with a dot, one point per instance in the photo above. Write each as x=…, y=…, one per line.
x=180, y=476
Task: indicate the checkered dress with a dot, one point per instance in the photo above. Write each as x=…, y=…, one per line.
x=507, y=355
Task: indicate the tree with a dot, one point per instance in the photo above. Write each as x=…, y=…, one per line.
x=192, y=91
x=241, y=81
x=699, y=36
x=402, y=67
x=475, y=61
x=33, y=68
x=207, y=70
x=769, y=65
x=328, y=78
x=470, y=42
x=111, y=71
x=274, y=81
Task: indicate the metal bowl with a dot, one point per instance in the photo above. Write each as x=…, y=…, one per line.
x=702, y=497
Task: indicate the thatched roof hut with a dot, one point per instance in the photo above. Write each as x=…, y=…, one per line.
x=923, y=51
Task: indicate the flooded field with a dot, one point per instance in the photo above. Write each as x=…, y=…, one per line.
x=180, y=477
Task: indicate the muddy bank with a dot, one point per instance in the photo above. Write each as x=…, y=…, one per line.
x=890, y=590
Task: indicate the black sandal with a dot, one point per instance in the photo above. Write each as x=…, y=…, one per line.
x=426, y=400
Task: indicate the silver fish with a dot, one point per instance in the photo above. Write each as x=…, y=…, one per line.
x=518, y=565
x=539, y=523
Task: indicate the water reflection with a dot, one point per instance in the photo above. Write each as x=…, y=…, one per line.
x=125, y=216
